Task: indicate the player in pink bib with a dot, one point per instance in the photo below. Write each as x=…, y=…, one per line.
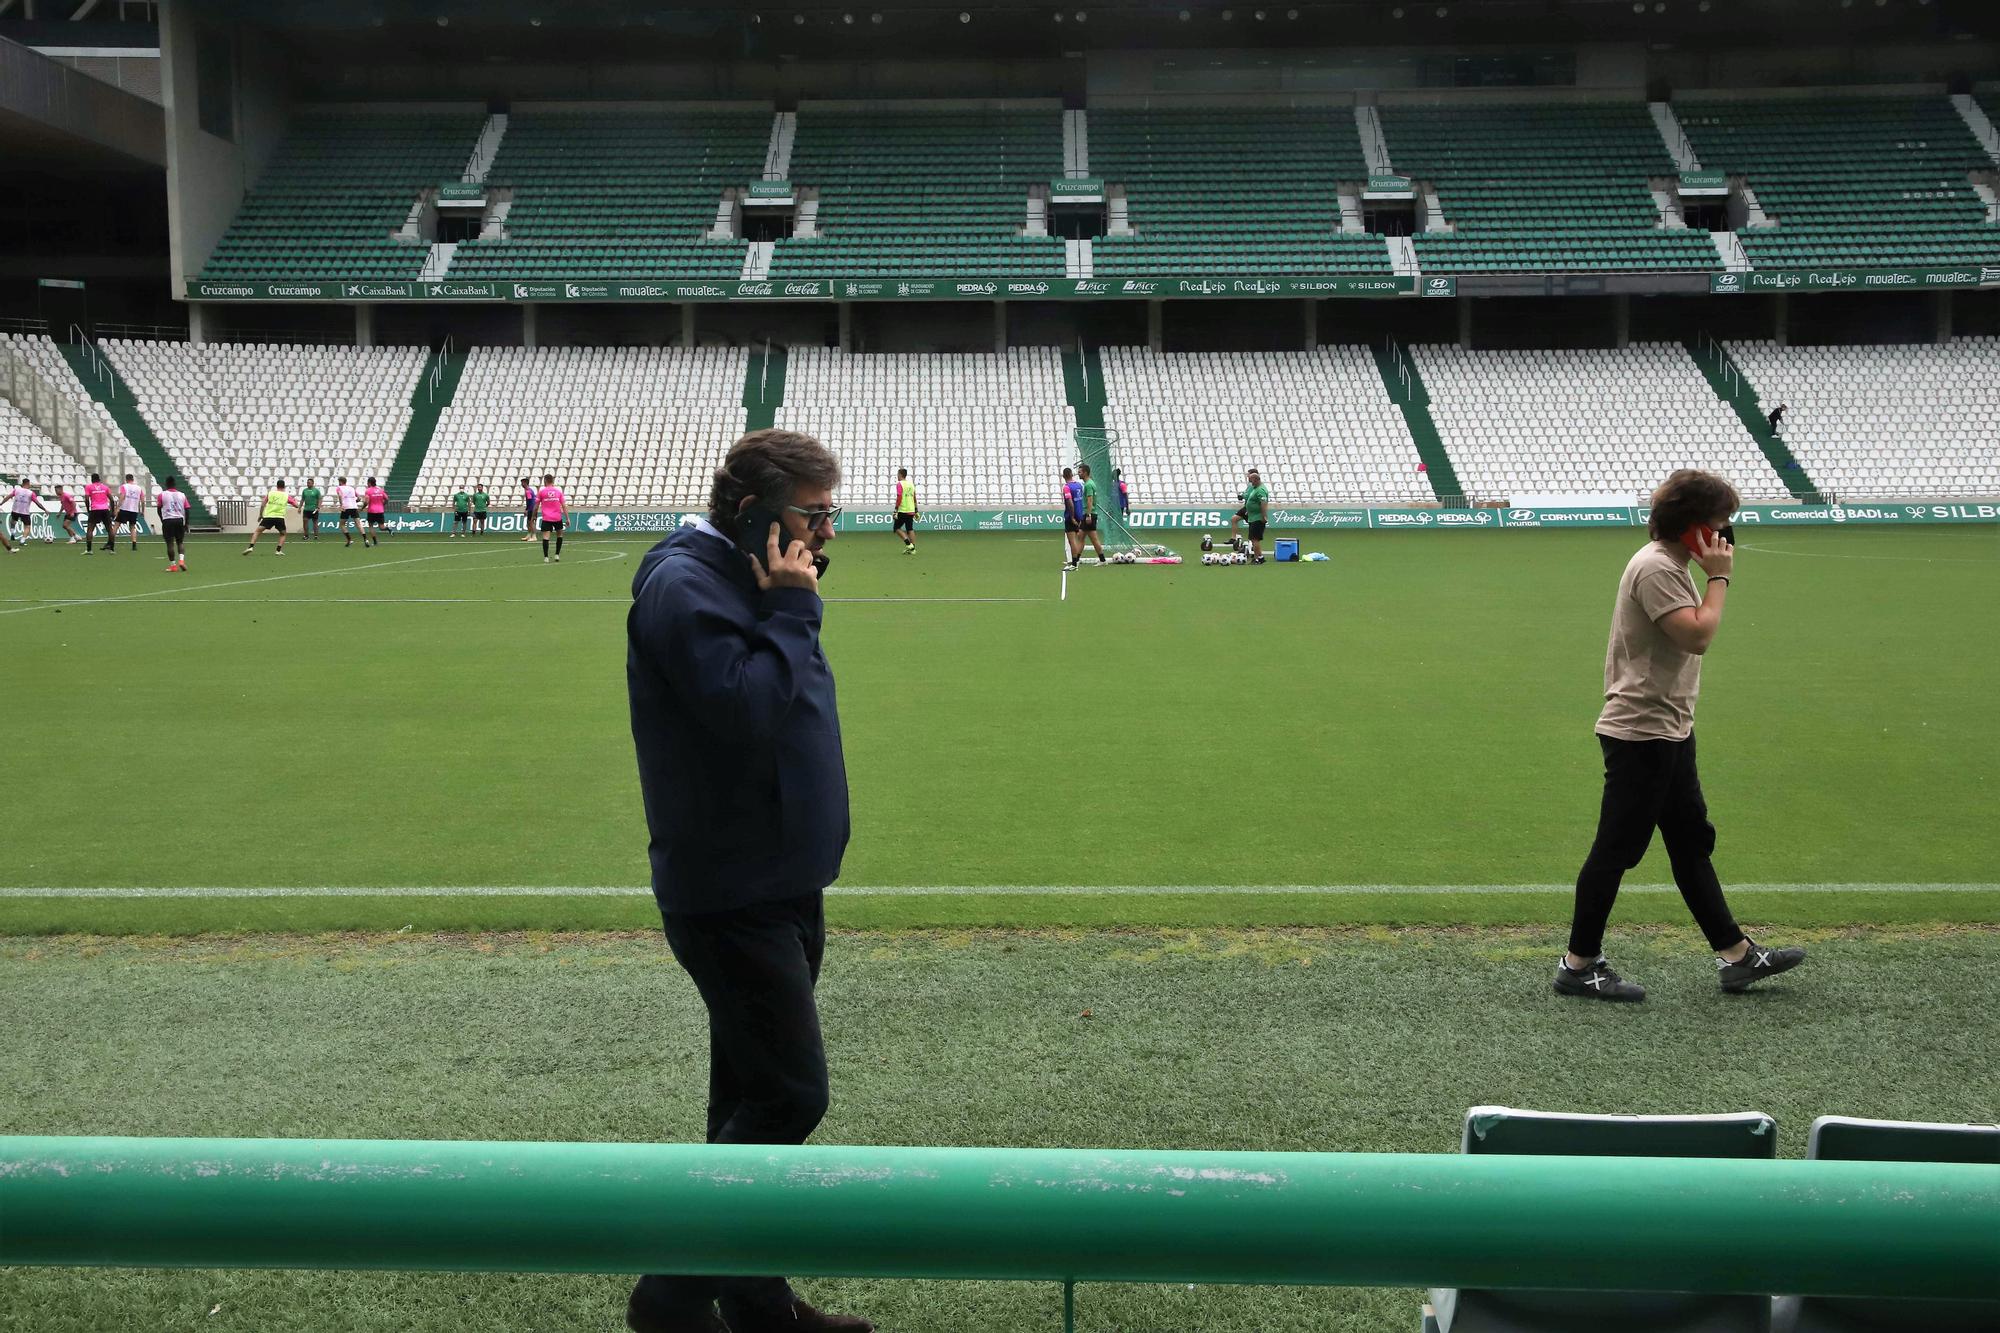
x=377, y=500
x=71, y=528
x=554, y=508
x=97, y=507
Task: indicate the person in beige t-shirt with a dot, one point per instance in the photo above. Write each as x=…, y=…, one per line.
x=1661, y=626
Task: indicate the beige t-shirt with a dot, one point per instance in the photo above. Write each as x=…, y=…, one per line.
x=1649, y=684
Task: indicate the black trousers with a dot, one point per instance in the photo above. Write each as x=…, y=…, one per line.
x=755, y=968
x=1649, y=785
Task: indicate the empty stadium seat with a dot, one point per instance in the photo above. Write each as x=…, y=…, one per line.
x=1585, y=422
x=336, y=188
x=1319, y=425
x=25, y=451
x=1231, y=190
x=975, y=430
x=621, y=427
x=1540, y=187
x=617, y=194
x=236, y=417
x=1862, y=181
x=1846, y=1139
x=1886, y=422
x=1743, y=1136
x=939, y=192
x=39, y=352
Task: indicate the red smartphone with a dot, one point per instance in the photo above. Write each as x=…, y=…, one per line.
x=1702, y=530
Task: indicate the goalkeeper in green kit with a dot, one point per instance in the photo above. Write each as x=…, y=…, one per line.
x=1090, y=514
x=1256, y=506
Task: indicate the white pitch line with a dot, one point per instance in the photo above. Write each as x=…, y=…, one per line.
x=1898, y=559
x=947, y=890
x=231, y=583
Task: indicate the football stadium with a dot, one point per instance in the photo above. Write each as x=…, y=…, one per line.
x=956, y=666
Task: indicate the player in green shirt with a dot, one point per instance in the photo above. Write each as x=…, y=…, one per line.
x=1256, y=505
x=461, y=513
x=480, y=499
x=1090, y=513
x=309, y=509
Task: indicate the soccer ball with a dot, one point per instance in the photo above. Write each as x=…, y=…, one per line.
x=1207, y=542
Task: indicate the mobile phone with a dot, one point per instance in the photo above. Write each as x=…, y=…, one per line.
x=1705, y=532
x=753, y=536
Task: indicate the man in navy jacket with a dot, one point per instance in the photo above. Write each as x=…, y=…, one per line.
x=738, y=735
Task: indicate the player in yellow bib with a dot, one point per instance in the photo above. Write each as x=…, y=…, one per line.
x=272, y=516
x=906, y=510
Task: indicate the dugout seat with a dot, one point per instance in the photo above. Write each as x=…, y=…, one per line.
x=1743, y=1135
x=1845, y=1139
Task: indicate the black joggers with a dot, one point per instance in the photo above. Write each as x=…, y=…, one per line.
x=755, y=968
x=1648, y=785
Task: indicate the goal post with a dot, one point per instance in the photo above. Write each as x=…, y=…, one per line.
x=1093, y=447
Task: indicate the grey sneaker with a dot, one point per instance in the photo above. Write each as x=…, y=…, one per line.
x=1760, y=962
x=1596, y=982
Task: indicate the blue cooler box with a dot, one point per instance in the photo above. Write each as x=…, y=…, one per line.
x=1285, y=549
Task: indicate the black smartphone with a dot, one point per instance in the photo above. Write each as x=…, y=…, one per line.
x=753, y=535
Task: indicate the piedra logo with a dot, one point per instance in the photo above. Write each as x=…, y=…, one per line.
x=1420, y=519
x=598, y=523
x=1462, y=518
x=1027, y=288
x=978, y=288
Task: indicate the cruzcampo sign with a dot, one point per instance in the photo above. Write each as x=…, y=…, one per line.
x=1077, y=189
x=769, y=191
x=1389, y=185
x=1704, y=182
x=461, y=192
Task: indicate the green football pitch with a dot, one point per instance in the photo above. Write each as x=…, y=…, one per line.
x=1401, y=734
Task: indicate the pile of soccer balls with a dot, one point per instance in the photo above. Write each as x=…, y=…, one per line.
x=1238, y=554
x=1124, y=557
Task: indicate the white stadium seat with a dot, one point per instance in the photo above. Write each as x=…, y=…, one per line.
x=25, y=451
x=1318, y=425
x=975, y=430
x=1886, y=422
x=1586, y=422
x=620, y=427
x=236, y=417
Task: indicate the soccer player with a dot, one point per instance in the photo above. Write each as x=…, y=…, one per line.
x=1124, y=493
x=172, y=506
x=1072, y=503
x=906, y=510
x=1089, y=516
x=1256, y=504
x=71, y=527
x=131, y=506
x=97, y=511
x=273, y=516
x=554, y=508
x=22, y=502
x=377, y=501
x=480, y=500
x=528, y=494
x=461, y=513
x=1660, y=631
x=309, y=509
x=349, y=500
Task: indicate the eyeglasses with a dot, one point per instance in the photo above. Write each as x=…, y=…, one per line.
x=815, y=517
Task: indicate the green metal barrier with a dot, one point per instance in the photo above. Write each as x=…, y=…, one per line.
x=1818, y=1228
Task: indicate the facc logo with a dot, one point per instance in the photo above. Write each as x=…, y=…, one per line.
x=1139, y=287
x=598, y=523
x=1091, y=287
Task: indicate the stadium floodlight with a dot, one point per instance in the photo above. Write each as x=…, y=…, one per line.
x=848, y=19
x=875, y=18
x=1081, y=16
x=964, y=16
x=1258, y=15
x=1396, y=13
x=1185, y=16
x=799, y=20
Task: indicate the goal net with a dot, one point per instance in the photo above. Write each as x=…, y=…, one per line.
x=1121, y=544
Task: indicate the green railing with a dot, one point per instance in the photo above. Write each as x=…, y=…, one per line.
x=1878, y=1229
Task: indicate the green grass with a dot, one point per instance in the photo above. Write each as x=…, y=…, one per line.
x=1417, y=712
x=1291, y=1040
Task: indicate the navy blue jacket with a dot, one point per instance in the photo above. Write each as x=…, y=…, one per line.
x=738, y=735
